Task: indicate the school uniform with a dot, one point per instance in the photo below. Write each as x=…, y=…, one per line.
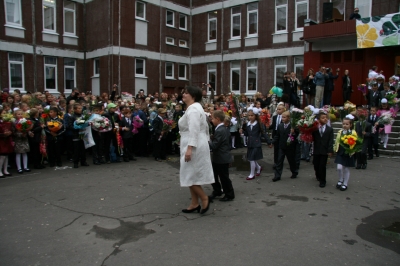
x=78, y=144
x=361, y=156
x=323, y=145
x=54, y=143
x=69, y=144
x=159, y=150
x=140, y=139
x=97, y=149
x=276, y=121
x=373, y=98
x=373, y=143
x=34, y=144
x=254, y=149
x=127, y=138
x=111, y=137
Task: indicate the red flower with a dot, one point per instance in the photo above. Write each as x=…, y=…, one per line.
x=19, y=126
x=29, y=122
x=302, y=117
x=44, y=115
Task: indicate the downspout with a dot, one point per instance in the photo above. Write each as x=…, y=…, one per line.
x=160, y=62
x=222, y=48
x=190, y=45
x=34, y=46
x=119, y=48
x=109, y=44
x=84, y=48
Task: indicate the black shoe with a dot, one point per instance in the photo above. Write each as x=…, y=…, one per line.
x=126, y=160
x=108, y=162
x=322, y=184
x=377, y=155
x=84, y=164
x=40, y=166
x=276, y=179
x=76, y=165
x=192, y=210
x=102, y=162
x=215, y=194
x=370, y=158
x=20, y=171
x=307, y=160
x=203, y=211
x=132, y=159
x=339, y=184
x=358, y=166
x=9, y=174
x=293, y=176
x=96, y=163
x=343, y=188
x=364, y=166
x=158, y=159
x=226, y=199
x=59, y=164
x=27, y=170
x=52, y=165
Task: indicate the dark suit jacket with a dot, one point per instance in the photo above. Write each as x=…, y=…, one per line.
x=344, y=84
x=373, y=101
x=273, y=125
x=254, y=136
x=372, y=122
x=368, y=130
x=158, y=126
x=220, y=145
x=323, y=145
x=282, y=135
x=126, y=134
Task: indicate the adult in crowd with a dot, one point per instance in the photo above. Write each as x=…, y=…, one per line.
x=330, y=85
x=73, y=96
x=309, y=87
x=355, y=14
x=294, y=83
x=346, y=86
x=196, y=168
x=320, y=79
x=205, y=99
x=286, y=88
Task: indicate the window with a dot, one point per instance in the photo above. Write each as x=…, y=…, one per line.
x=280, y=15
x=69, y=74
x=251, y=75
x=49, y=15
x=140, y=10
x=16, y=71
x=299, y=67
x=182, y=22
x=182, y=72
x=280, y=69
x=69, y=17
x=183, y=43
x=170, y=40
x=13, y=12
x=169, y=70
x=235, y=76
x=170, y=18
x=212, y=26
x=140, y=68
x=364, y=6
x=235, y=22
x=96, y=67
x=212, y=75
x=50, y=70
x=301, y=13
x=252, y=19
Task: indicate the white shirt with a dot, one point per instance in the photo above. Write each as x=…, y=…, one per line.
x=220, y=124
x=278, y=121
x=252, y=124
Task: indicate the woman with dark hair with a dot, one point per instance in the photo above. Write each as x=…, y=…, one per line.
x=309, y=87
x=196, y=168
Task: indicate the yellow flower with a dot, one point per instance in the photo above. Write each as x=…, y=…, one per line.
x=366, y=36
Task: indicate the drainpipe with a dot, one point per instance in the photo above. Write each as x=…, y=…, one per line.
x=34, y=47
x=190, y=45
x=160, y=49
x=119, y=47
x=222, y=48
x=84, y=48
x=109, y=48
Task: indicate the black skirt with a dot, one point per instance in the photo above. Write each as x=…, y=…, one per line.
x=254, y=154
x=344, y=159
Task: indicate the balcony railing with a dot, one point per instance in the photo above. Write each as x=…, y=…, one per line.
x=329, y=30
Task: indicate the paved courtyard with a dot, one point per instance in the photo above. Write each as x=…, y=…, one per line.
x=130, y=214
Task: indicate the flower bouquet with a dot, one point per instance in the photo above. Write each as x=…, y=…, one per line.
x=45, y=115
x=101, y=124
x=295, y=115
x=8, y=118
x=168, y=125
x=54, y=126
x=265, y=117
x=23, y=125
x=386, y=118
x=290, y=139
x=350, y=142
x=126, y=96
x=392, y=99
x=137, y=123
x=83, y=121
x=362, y=88
x=307, y=125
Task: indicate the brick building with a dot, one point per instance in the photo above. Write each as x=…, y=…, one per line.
x=155, y=45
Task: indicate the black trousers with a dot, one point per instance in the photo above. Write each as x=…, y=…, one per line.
x=159, y=150
x=97, y=150
x=373, y=145
x=69, y=147
x=361, y=158
x=224, y=182
x=291, y=157
x=128, y=148
x=35, y=155
x=54, y=151
x=110, y=137
x=320, y=162
x=276, y=154
x=298, y=156
x=346, y=95
x=79, y=151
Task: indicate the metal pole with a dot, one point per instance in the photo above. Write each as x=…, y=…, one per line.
x=190, y=45
x=119, y=48
x=84, y=48
x=160, y=48
x=34, y=47
x=222, y=48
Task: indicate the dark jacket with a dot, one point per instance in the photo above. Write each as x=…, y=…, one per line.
x=282, y=135
x=323, y=145
x=123, y=123
x=49, y=136
x=70, y=125
x=273, y=125
x=220, y=146
x=254, y=136
x=344, y=83
x=158, y=124
x=330, y=82
x=373, y=98
x=67, y=120
x=36, y=130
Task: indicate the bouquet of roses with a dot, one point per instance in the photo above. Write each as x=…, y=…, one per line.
x=265, y=117
x=23, y=125
x=54, y=126
x=101, y=124
x=45, y=115
x=362, y=88
x=350, y=142
x=8, y=118
x=83, y=121
x=307, y=125
x=137, y=123
x=168, y=125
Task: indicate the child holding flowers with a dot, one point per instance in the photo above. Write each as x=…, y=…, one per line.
x=21, y=146
x=6, y=142
x=54, y=130
x=35, y=138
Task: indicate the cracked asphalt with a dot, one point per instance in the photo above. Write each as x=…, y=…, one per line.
x=130, y=214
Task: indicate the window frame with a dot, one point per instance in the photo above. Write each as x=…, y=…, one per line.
x=9, y=71
x=74, y=20
x=295, y=65
x=248, y=20
x=169, y=43
x=356, y=4
x=94, y=67
x=172, y=66
x=185, y=77
x=235, y=69
x=69, y=67
x=276, y=17
x=173, y=18
x=212, y=70
x=213, y=19
x=55, y=76
x=297, y=3
x=54, y=6
x=20, y=15
x=233, y=15
x=279, y=66
x=186, y=20
x=144, y=68
x=184, y=46
x=144, y=10
x=247, y=75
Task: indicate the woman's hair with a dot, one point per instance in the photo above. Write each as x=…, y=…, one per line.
x=195, y=92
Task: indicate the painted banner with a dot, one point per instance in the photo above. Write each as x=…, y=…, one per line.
x=378, y=31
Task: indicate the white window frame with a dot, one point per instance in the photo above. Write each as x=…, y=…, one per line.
x=300, y=2
x=276, y=66
x=296, y=65
x=20, y=15
x=248, y=20
x=235, y=69
x=56, y=74
x=144, y=68
x=185, y=45
x=172, y=65
x=144, y=10
x=52, y=5
x=10, y=62
x=186, y=26
x=171, y=42
x=94, y=67
x=212, y=68
x=233, y=15
x=179, y=72
x=173, y=18
x=213, y=19
x=356, y=4
x=69, y=67
x=276, y=17
x=247, y=75
x=74, y=12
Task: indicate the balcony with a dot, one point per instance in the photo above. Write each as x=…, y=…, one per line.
x=329, y=30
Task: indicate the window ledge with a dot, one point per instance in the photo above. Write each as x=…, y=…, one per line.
x=141, y=77
x=14, y=26
x=184, y=47
x=234, y=39
x=170, y=44
x=170, y=26
x=170, y=78
x=212, y=41
x=299, y=30
x=95, y=76
x=279, y=33
x=50, y=32
x=251, y=36
x=182, y=29
x=70, y=36
x=183, y=79
x=141, y=19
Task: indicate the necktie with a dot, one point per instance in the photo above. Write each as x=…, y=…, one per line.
x=128, y=120
x=321, y=131
x=286, y=126
x=278, y=121
x=373, y=118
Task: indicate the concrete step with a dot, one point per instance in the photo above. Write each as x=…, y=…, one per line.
x=389, y=153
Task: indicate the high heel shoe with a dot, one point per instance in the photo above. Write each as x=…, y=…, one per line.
x=203, y=211
x=192, y=210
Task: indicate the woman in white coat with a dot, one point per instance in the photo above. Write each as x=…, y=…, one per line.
x=196, y=168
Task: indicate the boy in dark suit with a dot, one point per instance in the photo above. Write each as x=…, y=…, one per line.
x=363, y=129
x=97, y=149
x=286, y=149
x=373, y=96
x=276, y=120
x=323, y=147
x=159, y=136
x=221, y=158
x=126, y=134
x=373, y=143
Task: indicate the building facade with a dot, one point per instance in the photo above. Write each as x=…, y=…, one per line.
x=156, y=45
